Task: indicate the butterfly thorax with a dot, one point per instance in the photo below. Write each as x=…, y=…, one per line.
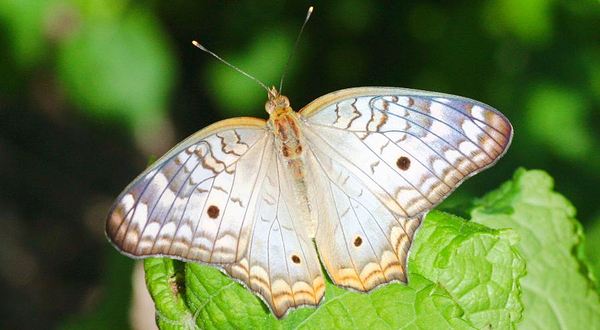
x=283, y=122
x=286, y=130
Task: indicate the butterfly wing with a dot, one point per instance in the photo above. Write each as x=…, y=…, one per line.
x=197, y=202
x=386, y=156
x=362, y=243
x=221, y=197
x=280, y=264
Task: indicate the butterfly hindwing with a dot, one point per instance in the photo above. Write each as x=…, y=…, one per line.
x=362, y=243
x=195, y=203
x=280, y=264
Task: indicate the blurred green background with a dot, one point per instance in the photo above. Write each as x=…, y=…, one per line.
x=91, y=89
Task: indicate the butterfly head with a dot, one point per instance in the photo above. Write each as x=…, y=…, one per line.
x=276, y=101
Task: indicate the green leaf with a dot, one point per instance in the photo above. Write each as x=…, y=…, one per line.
x=164, y=278
x=462, y=276
x=558, y=291
x=592, y=244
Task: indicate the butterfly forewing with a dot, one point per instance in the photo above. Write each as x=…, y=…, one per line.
x=196, y=202
x=410, y=148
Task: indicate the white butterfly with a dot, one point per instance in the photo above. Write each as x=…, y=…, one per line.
x=353, y=172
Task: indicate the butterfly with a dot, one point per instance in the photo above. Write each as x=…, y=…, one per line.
x=345, y=182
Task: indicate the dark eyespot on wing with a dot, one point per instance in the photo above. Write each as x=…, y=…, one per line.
x=213, y=212
x=295, y=259
x=403, y=163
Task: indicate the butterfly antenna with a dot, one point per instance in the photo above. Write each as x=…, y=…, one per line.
x=310, y=10
x=202, y=48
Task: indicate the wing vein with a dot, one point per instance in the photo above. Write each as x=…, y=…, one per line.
x=269, y=250
x=300, y=241
x=473, y=119
x=342, y=156
x=366, y=236
x=339, y=220
x=260, y=166
x=337, y=213
x=418, y=160
x=160, y=197
x=393, y=169
x=281, y=228
x=430, y=131
x=411, y=134
x=212, y=251
x=184, y=209
x=440, y=121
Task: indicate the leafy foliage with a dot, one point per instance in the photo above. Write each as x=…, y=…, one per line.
x=462, y=275
x=558, y=291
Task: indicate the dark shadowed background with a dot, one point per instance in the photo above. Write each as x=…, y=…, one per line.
x=90, y=90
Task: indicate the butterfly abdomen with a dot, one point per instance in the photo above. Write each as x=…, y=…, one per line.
x=292, y=150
